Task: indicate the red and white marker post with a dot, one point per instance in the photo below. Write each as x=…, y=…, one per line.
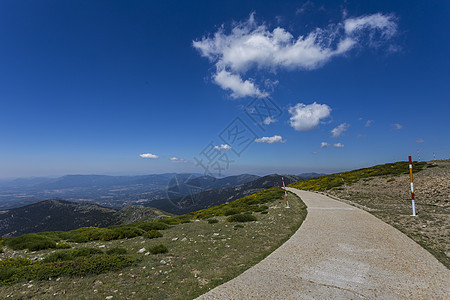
x=285, y=193
x=412, y=189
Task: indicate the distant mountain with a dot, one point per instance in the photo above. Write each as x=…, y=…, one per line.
x=110, y=191
x=57, y=215
x=205, y=199
x=311, y=175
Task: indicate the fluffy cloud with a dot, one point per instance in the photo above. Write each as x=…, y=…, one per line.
x=149, y=155
x=420, y=141
x=338, y=131
x=397, y=126
x=369, y=122
x=307, y=117
x=177, y=159
x=269, y=120
x=250, y=45
x=271, y=139
x=225, y=147
x=239, y=88
x=339, y=145
x=324, y=145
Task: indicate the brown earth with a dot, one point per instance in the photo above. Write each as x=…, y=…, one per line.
x=389, y=199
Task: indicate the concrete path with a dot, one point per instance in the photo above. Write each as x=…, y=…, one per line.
x=341, y=252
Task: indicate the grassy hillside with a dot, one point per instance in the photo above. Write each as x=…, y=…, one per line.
x=384, y=191
x=177, y=258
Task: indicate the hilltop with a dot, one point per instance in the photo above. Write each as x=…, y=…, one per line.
x=57, y=215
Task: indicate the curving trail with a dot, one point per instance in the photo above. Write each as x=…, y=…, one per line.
x=341, y=252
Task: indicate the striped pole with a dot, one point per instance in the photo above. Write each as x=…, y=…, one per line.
x=285, y=193
x=412, y=189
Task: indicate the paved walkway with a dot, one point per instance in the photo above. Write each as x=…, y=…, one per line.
x=341, y=252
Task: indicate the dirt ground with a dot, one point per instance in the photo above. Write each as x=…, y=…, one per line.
x=389, y=199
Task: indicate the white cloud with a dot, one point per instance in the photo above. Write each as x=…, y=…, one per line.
x=397, y=126
x=177, y=159
x=385, y=25
x=360, y=136
x=149, y=155
x=225, y=147
x=250, y=45
x=338, y=131
x=339, y=145
x=307, y=117
x=315, y=152
x=238, y=87
x=269, y=120
x=324, y=145
x=271, y=139
x=369, y=122
x=420, y=141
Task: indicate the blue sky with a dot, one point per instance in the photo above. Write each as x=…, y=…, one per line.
x=136, y=87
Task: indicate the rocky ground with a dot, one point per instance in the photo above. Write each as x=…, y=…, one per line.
x=389, y=199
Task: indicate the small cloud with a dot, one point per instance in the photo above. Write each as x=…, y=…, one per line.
x=397, y=126
x=307, y=117
x=177, y=159
x=324, y=145
x=369, y=122
x=225, y=147
x=269, y=120
x=420, y=141
x=339, y=145
x=315, y=152
x=360, y=136
x=271, y=139
x=149, y=155
x=338, y=131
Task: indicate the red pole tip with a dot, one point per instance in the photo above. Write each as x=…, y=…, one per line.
x=410, y=161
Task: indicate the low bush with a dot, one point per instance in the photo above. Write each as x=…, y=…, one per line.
x=238, y=226
x=265, y=212
x=72, y=254
x=231, y=211
x=152, y=234
x=261, y=208
x=63, y=246
x=158, y=249
x=242, y=218
x=117, y=251
x=212, y=221
x=24, y=270
x=30, y=241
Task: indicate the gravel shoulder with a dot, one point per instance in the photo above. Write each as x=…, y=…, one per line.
x=341, y=251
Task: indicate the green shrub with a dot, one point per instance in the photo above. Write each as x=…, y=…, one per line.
x=390, y=180
x=265, y=212
x=30, y=241
x=241, y=218
x=16, y=272
x=1, y=250
x=147, y=226
x=158, y=249
x=63, y=246
x=152, y=234
x=238, y=226
x=212, y=221
x=261, y=208
x=231, y=211
x=116, y=251
x=72, y=254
